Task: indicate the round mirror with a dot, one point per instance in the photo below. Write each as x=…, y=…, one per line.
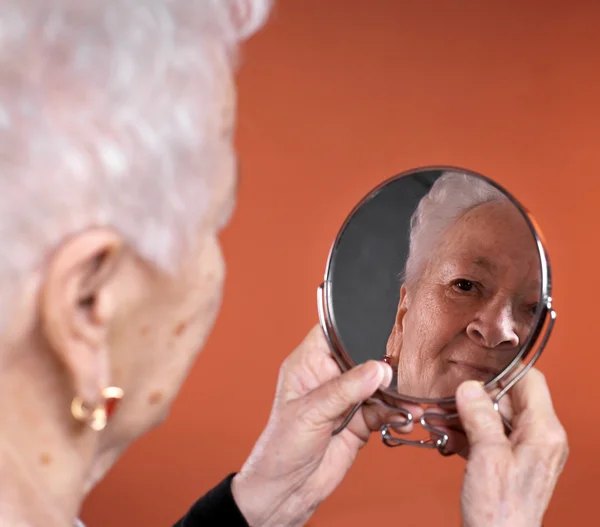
x=441, y=273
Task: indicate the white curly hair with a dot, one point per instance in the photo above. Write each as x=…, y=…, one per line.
x=109, y=115
x=451, y=196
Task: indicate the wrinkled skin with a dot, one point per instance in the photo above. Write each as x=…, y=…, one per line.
x=509, y=480
x=297, y=462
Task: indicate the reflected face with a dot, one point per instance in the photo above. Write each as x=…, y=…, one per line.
x=472, y=308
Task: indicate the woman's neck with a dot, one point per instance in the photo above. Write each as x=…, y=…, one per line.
x=25, y=497
x=45, y=457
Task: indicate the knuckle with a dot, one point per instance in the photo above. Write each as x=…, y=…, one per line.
x=486, y=418
x=485, y=430
x=284, y=365
x=313, y=413
x=290, y=361
x=341, y=393
x=306, y=415
x=316, y=338
x=565, y=456
x=557, y=438
x=555, y=449
x=539, y=376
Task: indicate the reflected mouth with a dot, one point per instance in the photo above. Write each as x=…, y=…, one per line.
x=476, y=368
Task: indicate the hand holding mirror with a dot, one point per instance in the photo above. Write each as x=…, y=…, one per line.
x=443, y=274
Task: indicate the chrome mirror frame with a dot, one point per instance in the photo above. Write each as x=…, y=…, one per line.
x=532, y=349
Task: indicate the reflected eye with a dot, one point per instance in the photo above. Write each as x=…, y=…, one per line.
x=533, y=308
x=464, y=285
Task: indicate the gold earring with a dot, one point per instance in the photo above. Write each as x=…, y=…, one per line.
x=97, y=417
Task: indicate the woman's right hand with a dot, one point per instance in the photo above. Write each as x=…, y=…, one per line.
x=509, y=480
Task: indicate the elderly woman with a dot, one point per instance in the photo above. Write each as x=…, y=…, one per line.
x=118, y=172
x=471, y=289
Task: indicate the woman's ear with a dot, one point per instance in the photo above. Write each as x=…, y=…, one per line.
x=394, y=344
x=77, y=306
x=402, y=306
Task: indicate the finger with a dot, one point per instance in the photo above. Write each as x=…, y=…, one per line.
x=451, y=426
x=481, y=422
x=457, y=441
x=309, y=366
x=314, y=339
x=540, y=440
x=532, y=393
x=505, y=406
x=517, y=369
x=372, y=417
x=378, y=413
x=537, y=422
x=326, y=404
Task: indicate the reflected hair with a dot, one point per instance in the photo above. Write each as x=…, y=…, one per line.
x=110, y=115
x=451, y=196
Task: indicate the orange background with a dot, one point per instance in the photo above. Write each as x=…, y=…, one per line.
x=335, y=96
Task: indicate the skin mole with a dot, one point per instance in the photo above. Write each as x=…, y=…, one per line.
x=45, y=459
x=155, y=397
x=180, y=328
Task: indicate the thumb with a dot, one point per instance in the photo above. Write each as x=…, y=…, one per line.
x=481, y=422
x=333, y=399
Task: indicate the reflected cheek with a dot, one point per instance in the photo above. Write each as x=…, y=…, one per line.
x=525, y=329
x=433, y=322
x=421, y=335
x=437, y=330
x=455, y=315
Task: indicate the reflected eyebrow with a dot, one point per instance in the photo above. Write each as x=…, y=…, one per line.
x=535, y=284
x=485, y=263
x=490, y=266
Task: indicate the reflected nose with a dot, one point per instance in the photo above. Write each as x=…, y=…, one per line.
x=495, y=328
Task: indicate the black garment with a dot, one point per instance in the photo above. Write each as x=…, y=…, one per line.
x=216, y=508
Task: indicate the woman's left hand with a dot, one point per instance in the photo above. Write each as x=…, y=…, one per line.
x=297, y=462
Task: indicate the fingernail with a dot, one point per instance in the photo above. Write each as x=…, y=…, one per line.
x=472, y=390
x=387, y=375
x=370, y=369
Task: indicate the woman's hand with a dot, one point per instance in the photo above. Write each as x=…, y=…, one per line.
x=509, y=480
x=296, y=462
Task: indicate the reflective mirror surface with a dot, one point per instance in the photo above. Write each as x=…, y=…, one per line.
x=441, y=272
